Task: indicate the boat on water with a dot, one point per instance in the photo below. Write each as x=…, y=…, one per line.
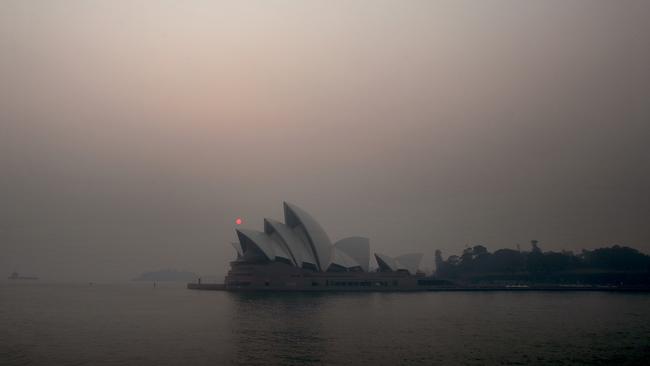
x=297, y=255
x=16, y=276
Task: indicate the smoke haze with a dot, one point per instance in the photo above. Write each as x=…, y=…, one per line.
x=133, y=134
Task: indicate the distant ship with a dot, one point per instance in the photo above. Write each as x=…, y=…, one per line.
x=16, y=276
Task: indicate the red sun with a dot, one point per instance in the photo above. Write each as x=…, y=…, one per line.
x=239, y=221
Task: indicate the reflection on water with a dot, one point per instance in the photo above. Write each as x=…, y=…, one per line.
x=169, y=325
x=292, y=330
x=429, y=328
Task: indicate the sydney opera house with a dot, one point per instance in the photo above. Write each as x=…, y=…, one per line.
x=298, y=255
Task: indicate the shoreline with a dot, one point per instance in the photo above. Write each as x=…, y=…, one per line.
x=641, y=289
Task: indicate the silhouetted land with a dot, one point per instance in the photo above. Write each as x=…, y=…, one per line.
x=616, y=265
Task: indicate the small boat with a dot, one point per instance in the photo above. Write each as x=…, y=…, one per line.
x=16, y=276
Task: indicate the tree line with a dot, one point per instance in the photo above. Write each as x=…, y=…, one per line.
x=477, y=261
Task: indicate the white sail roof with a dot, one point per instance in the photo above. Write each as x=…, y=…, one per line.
x=254, y=243
x=294, y=245
x=341, y=259
x=307, y=250
x=316, y=237
x=237, y=246
x=357, y=248
x=409, y=262
x=385, y=262
x=302, y=242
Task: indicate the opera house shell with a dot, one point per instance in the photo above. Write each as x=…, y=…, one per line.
x=299, y=255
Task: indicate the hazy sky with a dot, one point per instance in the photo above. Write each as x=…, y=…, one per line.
x=133, y=133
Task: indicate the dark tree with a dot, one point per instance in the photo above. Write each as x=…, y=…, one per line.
x=605, y=265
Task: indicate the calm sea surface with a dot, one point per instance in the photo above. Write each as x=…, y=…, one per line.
x=136, y=324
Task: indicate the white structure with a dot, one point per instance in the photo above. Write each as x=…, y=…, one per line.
x=406, y=262
x=358, y=248
x=302, y=242
x=310, y=232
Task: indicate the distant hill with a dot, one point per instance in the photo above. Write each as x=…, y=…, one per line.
x=167, y=275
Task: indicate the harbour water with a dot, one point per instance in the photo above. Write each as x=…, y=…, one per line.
x=138, y=324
